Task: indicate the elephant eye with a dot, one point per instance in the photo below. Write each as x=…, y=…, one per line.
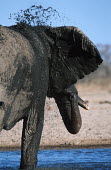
x=2, y=105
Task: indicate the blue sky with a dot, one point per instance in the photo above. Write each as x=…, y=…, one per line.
x=93, y=17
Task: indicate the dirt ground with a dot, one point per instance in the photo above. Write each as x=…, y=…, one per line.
x=96, y=122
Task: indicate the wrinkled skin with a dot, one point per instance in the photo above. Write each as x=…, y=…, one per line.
x=36, y=62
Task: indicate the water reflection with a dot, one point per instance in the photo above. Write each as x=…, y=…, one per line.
x=69, y=158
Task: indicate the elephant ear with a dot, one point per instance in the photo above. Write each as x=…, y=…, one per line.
x=73, y=56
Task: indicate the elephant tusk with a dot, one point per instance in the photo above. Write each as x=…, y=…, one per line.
x=82, y=103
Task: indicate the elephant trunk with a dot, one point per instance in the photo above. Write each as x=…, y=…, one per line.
x=69, y=110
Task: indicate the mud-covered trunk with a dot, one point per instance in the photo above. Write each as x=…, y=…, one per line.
x=67, y=103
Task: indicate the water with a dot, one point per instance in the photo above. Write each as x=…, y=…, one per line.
x=99, y=159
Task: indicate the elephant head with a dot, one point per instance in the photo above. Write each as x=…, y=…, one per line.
x=40, y=61
x=73, y=56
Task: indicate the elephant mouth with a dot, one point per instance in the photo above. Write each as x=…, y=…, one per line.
x=68, y=103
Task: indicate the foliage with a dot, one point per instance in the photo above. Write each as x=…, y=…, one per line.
x=105, y=51
x=35, y=15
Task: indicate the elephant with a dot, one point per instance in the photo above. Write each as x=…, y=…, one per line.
x=40, y=61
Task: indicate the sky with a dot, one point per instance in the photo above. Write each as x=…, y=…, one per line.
x=93, y=17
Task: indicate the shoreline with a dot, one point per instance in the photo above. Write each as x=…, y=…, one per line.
x=58, y=147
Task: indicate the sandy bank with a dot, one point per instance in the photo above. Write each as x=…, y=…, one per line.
x=96, y=123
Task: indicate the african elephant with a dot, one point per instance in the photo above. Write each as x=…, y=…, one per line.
x=36, y=62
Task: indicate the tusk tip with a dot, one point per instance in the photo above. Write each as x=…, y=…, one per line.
x=87, y=107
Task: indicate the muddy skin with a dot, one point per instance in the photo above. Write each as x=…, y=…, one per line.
x=36, y=62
